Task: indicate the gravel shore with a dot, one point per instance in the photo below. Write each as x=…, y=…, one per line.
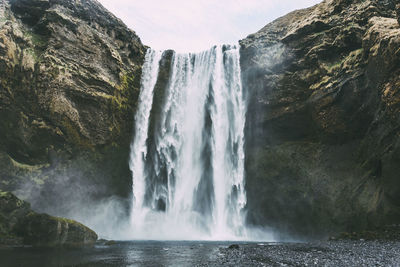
x=330, y=253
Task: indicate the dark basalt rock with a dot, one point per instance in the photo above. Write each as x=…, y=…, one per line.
x=233, y=246
x=19, y=225
x=110, y=243
x=322, y=139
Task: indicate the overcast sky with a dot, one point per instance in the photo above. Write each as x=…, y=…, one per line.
x=194, y=25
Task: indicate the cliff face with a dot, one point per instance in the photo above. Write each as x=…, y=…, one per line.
x=69, y=82
x=323, y=142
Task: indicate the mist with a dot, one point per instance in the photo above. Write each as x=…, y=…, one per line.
x=72, y=196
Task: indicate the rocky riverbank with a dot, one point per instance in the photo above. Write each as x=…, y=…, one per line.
x=385, y=233
x=332, y=253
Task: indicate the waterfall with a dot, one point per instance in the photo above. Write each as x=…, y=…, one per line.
x=138, y=147
x=188, y=171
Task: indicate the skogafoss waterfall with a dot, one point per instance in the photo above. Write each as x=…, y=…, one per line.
x=188, y=171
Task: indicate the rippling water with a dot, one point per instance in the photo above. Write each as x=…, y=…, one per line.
x=139, y=253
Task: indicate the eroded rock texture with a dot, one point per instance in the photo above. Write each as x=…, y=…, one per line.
x=69, y=82
x=323, y=136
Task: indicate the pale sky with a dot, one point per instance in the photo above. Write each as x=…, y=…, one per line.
x=195, y=25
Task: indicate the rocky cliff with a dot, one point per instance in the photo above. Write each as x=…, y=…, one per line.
x=69, y=82
x=323, y=142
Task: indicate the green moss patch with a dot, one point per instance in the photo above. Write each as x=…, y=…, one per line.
x=75, y=137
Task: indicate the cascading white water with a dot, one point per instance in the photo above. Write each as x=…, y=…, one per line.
x=138, y=146
x=188, y=172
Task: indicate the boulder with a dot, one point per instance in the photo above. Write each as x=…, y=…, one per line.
x=234, y=246
x=19, y=225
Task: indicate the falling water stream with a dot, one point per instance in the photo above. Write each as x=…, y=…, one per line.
x=188, y=172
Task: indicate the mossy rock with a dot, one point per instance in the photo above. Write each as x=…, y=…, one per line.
x=45, y=230
x=20, y=225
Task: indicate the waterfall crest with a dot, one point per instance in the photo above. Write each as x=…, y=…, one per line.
x=188, y=171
